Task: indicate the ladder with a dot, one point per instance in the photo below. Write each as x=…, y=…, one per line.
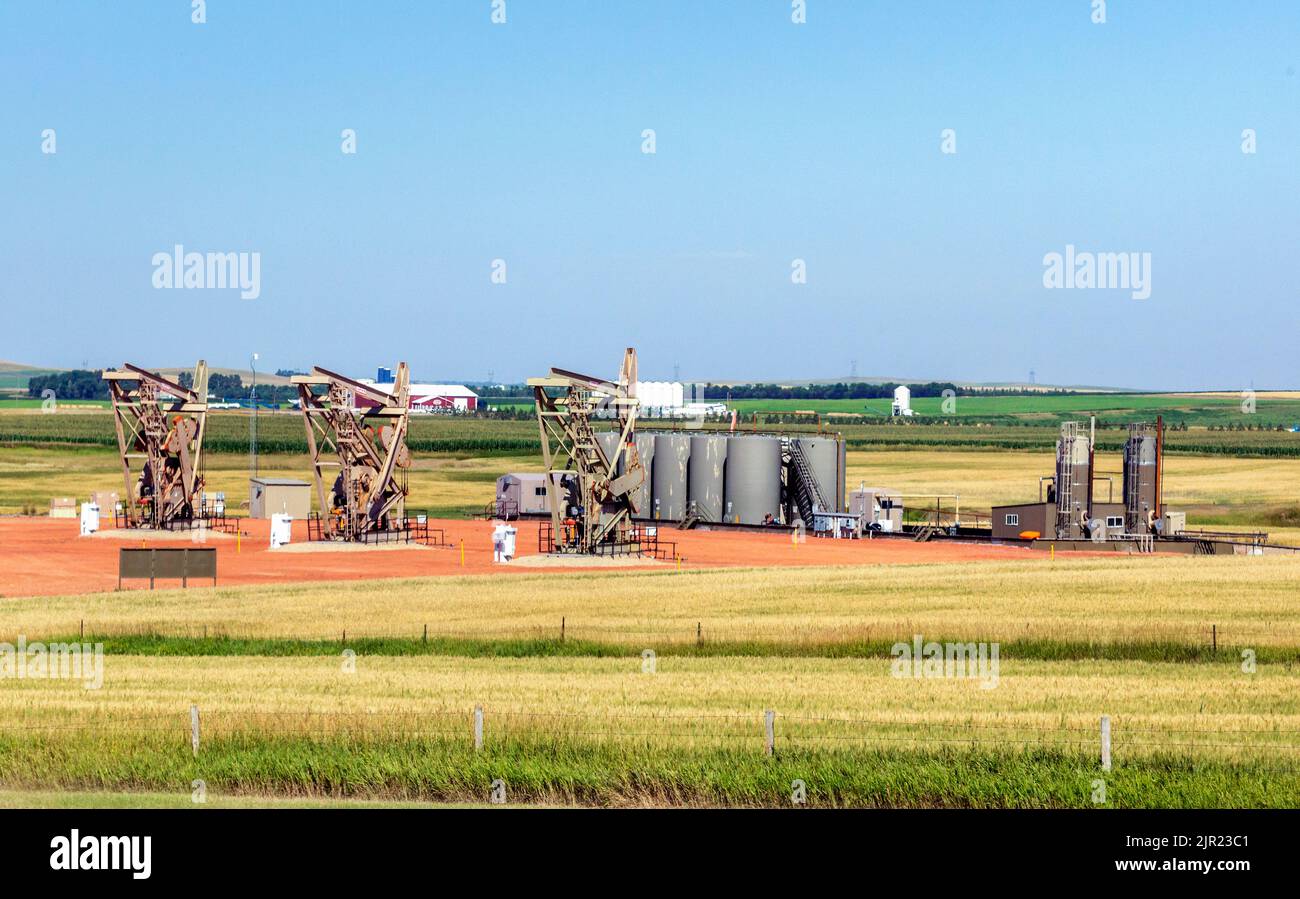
x=1065, y=478
x=807, y=493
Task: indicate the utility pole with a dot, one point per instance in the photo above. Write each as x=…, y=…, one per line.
x=252, y=422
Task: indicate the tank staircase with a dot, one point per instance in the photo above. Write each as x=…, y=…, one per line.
x=1065, y=480
x=925, y=533
x=807, y=493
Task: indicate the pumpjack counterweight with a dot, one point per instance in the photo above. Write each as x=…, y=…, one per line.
x=356, y=435
x=592, y=493
x=160, y=427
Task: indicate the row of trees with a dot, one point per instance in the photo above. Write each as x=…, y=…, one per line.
x=70, y=385
x=840, y=391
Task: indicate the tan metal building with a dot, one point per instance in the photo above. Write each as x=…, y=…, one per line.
x=1009, y=522
x=271, y=496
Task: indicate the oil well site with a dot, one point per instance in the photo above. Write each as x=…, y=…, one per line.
x=347, y=598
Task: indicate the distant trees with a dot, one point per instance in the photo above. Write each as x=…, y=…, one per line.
x=840, y=391
x=70, y=385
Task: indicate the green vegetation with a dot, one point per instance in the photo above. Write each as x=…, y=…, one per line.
x=469, y=435
x=541, y=769
x=1039, y=649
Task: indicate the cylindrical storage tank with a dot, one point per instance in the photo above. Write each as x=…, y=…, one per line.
x=1072, y=468
x=752, y=488
x=823, y=455
x=608, y=441
x=645, y=448
x=1140, y=461
x=672, y=458
x=707, y=476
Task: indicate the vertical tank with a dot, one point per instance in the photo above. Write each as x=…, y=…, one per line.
x=707, y=469
x=645, y=448
x=1073, y=474
x=608, y=441
x=825, y=459
x=672, y=458
x=1141, y=477
x=752, y=487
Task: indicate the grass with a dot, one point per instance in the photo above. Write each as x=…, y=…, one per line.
x=312, y=772
x=77, y=799
x=1198, y=410
x=153, y=644
x=605, y=732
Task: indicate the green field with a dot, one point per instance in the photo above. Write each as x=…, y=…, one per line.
x=282, y=432
x=1193, y=410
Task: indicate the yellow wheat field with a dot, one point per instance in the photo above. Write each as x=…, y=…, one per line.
x=1249, y=600
x=1153, y=706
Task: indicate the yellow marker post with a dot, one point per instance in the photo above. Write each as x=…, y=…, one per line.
x=1053, y=552
x=462, y=552
x=239, y=539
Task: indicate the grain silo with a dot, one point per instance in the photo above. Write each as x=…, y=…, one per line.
x=1142, y=452
x=672, y=458
x=705, y=490
x=752, y=487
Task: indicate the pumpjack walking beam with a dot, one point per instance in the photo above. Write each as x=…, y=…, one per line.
x=604, y=500
x=358, y=431
x=169, y=483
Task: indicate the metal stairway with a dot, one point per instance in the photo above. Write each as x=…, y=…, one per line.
x=807, y=493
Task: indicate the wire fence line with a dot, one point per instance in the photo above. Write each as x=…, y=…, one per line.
x=1276, y=742
x=1211, y=636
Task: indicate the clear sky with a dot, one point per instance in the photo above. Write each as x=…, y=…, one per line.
x=774, y=142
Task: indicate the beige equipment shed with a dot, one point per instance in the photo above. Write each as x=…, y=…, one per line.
x=273, y=496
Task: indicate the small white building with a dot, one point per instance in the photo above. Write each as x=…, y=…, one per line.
x=902, y=401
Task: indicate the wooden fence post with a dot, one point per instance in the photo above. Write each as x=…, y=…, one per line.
x=194, y=729
x=478, y=728
x=1105, y=742
x=769, y=726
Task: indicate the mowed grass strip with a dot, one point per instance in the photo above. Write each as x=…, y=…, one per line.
x=149, y=644
x=1241, y=601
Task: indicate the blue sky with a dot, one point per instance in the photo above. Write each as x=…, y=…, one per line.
x=774, y=142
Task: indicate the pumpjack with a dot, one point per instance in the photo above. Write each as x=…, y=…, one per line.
x=591, y=488
x=160, y=426
x=356, y=432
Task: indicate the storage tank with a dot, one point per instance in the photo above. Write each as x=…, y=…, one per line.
x=752, y=486
x=825, y=458
x=1073, y=474
x=645, y=447
x=672, y=459
x=608, y=441
x=705, y=492
x=1141, y=477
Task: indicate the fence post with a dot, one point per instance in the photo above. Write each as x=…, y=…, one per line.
x=769, y=726
x=699, y=633
x=425, y=638
x=1105, y=742
x=1214, y=638
x=478, y=728
x=194, y=729
x=562, y=622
